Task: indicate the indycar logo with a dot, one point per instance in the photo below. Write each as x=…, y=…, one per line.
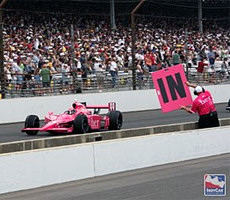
x=214, y=185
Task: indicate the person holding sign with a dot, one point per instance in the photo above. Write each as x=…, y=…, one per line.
x=204, y=106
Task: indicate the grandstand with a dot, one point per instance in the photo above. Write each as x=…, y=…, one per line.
x=37, y=33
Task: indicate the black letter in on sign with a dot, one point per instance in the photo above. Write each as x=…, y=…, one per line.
x=178, y=86
x=163, y=92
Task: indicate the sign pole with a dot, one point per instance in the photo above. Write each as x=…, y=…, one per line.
x=186, y=51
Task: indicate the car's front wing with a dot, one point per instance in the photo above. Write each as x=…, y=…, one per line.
x=58, y=130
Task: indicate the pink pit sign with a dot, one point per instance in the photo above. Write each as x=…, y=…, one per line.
x=171, y=89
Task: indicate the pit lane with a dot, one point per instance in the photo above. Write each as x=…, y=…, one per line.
x=12, y=132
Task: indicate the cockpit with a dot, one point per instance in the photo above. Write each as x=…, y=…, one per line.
x=70, y=112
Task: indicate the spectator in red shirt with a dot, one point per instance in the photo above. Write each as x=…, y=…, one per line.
x=200, y=68
x=204, y=105
x=150, y=61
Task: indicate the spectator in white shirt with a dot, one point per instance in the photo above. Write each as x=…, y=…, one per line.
x=113, y=71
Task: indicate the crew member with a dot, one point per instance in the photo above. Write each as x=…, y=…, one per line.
x=204, y=106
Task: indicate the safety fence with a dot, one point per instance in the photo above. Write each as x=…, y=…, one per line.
x=24, y=85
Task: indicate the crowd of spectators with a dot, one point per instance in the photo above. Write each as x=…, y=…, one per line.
x=38, y=46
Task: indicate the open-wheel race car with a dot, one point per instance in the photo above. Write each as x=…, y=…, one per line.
x=80, y=118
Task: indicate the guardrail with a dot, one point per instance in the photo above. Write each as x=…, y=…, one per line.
x=99, y=136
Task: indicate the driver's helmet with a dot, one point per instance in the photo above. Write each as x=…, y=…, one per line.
x=76, y=105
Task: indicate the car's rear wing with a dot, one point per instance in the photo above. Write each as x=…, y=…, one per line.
x=111, y=106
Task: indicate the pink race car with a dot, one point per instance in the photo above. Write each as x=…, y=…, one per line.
x=77, y=119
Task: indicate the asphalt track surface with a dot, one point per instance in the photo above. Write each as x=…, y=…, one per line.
x=12, y=132
x=177, y=181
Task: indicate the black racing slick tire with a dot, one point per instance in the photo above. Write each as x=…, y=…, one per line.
x=80, y=124
x=32, y=121
x=115, y=120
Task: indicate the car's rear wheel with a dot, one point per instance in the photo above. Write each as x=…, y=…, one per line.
x=80, y=124
x=32, y=121
x=115, y=120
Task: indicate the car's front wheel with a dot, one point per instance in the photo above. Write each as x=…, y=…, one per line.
x=32, y=121
x=80, y=124
x=115, y=120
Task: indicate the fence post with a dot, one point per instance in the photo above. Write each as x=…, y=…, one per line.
x=2, y=73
